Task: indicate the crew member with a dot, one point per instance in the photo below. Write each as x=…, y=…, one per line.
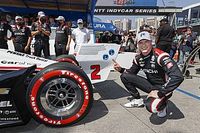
x=4, y=27
x=41, y=30
x=22, y=36
x=63, y=37
x=164, y=37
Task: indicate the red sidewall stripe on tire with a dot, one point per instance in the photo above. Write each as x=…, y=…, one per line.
x=48, y=75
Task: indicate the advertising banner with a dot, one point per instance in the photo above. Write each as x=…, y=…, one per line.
x=115, y=10
x=126, y=7
x=101, y=26
x=126, y=3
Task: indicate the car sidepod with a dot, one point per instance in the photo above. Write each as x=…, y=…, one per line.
x=13, y=109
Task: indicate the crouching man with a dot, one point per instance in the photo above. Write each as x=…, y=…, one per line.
x=162, y=75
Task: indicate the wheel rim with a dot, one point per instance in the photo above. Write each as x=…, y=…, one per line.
x=61, y=97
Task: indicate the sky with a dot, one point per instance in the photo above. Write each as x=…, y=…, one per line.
x=180, y=3
x=162, y=3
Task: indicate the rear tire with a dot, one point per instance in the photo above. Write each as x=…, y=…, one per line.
x=67, y=58
x=60, y=95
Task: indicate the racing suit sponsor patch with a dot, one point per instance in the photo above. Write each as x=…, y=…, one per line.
x=169, y=65
x=167, y=62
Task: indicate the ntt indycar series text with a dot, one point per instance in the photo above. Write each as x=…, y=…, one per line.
x=53, y=92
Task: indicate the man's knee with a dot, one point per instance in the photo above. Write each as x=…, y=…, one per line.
x=127, y=77
x=123, y=77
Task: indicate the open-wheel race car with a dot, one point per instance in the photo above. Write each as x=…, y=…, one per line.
x=53, y=92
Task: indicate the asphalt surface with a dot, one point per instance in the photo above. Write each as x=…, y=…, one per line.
x=109, y=116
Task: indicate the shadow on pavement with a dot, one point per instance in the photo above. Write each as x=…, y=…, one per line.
x=110, y=90
x=173, y=113
x=31, y=126
x=97, y=111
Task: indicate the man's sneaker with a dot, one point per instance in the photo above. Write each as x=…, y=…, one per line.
x=135, y=103
x=162, y=113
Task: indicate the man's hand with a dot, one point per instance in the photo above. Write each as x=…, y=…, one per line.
x=67, y=47
x=153, y=93
x=39, y=28
x=13, y=39
x=26, y=49
x=9, y=38
x=117, y=67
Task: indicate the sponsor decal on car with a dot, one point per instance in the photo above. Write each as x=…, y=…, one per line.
x=111, y=52
x=105, y=57
x=16, y=62
x=27, y=56
x=9, y=119
x=5, y=104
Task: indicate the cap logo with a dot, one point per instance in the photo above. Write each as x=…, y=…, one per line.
x=142, y=34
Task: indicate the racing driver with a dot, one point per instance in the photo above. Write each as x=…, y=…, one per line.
x=162, y=73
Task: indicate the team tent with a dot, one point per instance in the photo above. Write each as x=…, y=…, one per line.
x=70, y=9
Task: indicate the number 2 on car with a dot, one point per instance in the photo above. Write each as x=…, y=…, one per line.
x=96, y=70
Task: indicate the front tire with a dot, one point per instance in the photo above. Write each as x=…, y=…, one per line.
x=60, y=95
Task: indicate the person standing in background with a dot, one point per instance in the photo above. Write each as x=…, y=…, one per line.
x=174, y=46
x=191, y=36
x=52, y=22
x=164, y=36
x=106, y=37
x=63, y=37
x=22, y=36
x=116, y=37
x=130, y=43
x=182, y=50
x=26, y=21
x=81, y=34
x=4, y=27
x=41, y=30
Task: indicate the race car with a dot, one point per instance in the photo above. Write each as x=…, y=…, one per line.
x=53, y=92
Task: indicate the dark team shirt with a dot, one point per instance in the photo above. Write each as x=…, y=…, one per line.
x=186, y=46
x=41, y=36
x=105, y=38
x=189, y=43
x=116, y=39
x=4, y=27
x=21, y=35
x=159, y=70
x=165, y=33
x=62, y=33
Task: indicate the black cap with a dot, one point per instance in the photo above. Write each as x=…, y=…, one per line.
x=145, y=28
x=164, y=20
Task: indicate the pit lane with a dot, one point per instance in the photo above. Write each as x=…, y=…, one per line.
x=109, y=116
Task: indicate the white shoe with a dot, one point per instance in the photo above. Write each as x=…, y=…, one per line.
x=135, y=103
x=162, y=113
